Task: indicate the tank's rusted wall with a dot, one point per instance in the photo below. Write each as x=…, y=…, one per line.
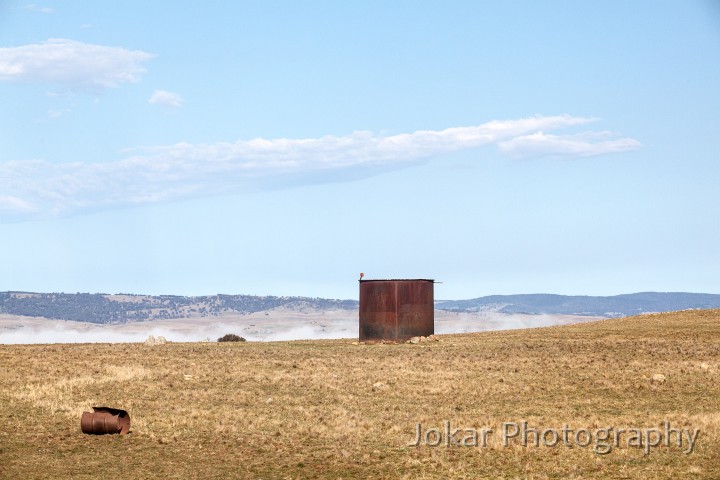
x=396, y=309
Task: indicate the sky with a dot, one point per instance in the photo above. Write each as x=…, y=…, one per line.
x=281, y=148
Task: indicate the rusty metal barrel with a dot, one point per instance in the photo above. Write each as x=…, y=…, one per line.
x=396, y=310
x=104, y=420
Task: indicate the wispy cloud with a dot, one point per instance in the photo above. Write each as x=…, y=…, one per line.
x=168, y=173
x=53, y=113
x=12, y=204
x=166, y=99
x=585, y=144
x=37, y=8
x=71, y=64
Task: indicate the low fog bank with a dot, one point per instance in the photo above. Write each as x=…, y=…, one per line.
x=61, y=334
x=275, y=327
x=450, y=323
x=65, y=334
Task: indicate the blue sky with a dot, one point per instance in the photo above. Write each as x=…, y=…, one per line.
x=284, y=147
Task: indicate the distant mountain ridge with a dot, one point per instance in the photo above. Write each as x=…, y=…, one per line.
x=122, y=308
x=611, y=306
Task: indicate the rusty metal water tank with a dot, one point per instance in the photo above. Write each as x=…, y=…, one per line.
x=396, y=309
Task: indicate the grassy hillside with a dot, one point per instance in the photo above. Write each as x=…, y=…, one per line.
x=335, y=409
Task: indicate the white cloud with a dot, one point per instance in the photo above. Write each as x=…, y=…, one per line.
x=37, y=8
x=166, y=99
x=71, y=64
x=55, y=113
x=14, y=204
x=585, y=144
x=185, y=170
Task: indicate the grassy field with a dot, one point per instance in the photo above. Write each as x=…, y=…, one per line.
x=336, y=409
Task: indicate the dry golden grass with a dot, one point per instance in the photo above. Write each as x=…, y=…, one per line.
x=331, y=409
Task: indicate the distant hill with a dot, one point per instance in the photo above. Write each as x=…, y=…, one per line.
x=613, y=306
x=122, y=308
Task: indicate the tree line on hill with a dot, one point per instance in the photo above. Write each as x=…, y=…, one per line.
x=102, y=308
x=609, y=306
x=121, y=308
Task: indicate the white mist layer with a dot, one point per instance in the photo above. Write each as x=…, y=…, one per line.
x=262, y=327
